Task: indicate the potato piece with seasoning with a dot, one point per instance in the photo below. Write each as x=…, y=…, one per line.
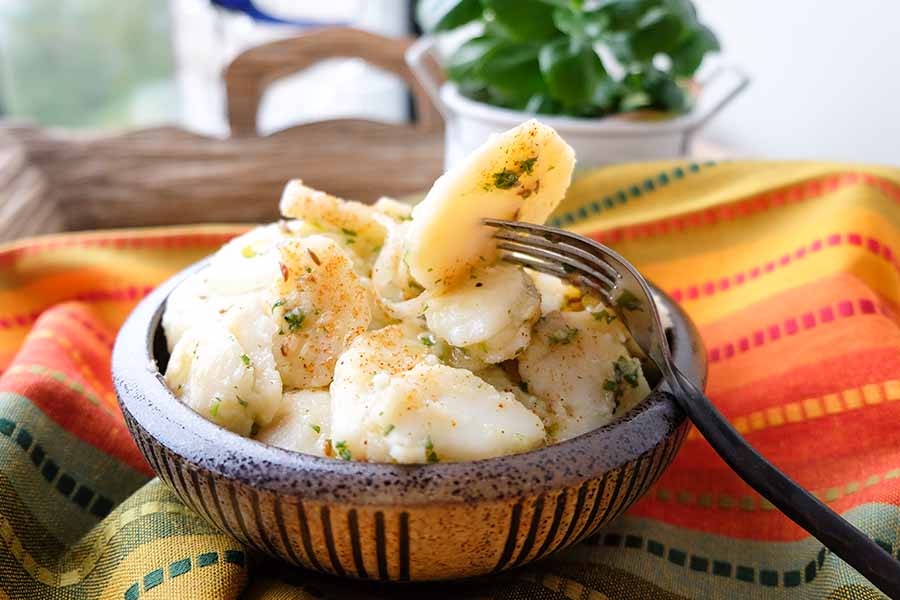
x=490, y=314
x=578, y=363
x=304, y=424
x=319, y=304
x=394, y=402
x=521, y=174
x=223, y=366
x=357, y=227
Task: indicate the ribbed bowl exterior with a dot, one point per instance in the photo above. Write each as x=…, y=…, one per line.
x=390, y=543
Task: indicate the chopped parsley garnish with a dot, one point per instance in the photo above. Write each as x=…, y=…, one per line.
x=604, y=315
x=628, y=301
x=625, y=371
x=294, y=319
x=254, y=429
x=349, y=241
x=316, y=428
x=242, y=402
x=214, y=409
x=430, y=455
x=527, y=166
x=505, y=179
x=427, y=339
x=563, y=336
x=388, y=429
x=279, y=302
x=343, y=450
x=349, y=232
x=309, y=269
x=245, y=359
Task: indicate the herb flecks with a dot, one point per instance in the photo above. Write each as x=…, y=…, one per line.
x=430, y=455
x=388, y=429
x=214, y=409
x=505, y=179
x=604, y=315
x=242, y=402
x=277, y=303
x=628, y=301
x=245, y=359
x=343, y=450
x=316, y=428
x=254, y=429
x=625, y=371
x=294, y=319
x=563, y=336
x=527, y=166
x=428, y=339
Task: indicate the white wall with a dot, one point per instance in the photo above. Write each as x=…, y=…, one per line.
x=826, y=78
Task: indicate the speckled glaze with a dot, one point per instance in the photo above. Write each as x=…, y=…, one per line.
x=394, y=522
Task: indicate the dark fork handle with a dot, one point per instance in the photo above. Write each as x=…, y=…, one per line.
x=835, y=532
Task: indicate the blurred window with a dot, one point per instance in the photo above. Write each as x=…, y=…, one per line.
x=135, y=63
x=87, y=63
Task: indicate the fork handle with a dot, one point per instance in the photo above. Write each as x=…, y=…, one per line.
x=835, y=532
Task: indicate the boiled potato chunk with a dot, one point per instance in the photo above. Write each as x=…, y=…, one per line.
x=435, y=413
x=223, y=366
x=304, y=423
x=392, y=401
x=519, y=175
x=490, y=314
x=320, y=304
x=578, y=363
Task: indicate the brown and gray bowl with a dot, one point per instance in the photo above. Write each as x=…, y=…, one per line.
x=394, y=522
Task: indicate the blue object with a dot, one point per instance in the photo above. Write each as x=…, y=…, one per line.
x=248, y=8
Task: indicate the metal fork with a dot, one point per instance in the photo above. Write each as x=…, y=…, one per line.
x=588, y=264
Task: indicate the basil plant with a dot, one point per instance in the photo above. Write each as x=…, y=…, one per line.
x=580, y=58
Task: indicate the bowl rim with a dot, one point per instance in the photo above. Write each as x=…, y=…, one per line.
x=201, y=445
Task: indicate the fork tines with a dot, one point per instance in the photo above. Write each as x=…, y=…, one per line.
x=555, y=252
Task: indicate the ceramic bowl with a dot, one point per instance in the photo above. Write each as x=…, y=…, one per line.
x=394, y=522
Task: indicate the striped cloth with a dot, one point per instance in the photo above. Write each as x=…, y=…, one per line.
x=790, y=270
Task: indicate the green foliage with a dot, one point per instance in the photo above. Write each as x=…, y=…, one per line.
x=554, y=56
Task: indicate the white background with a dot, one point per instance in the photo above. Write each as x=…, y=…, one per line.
x=826, y=78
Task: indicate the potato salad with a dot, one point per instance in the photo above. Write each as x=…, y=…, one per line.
x=387, y=333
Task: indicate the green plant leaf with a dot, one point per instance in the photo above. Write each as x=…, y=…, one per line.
x=635, y=100
x=684, y=10
x=688, y=55
x=607, y=95
x=568, y=21
x=443, y=15
x=571, y=70
x=542, y=104
x=463, y=63
x=512, y=72
x=657, y=31
x=623, y=14
x=522, y=20
x=664, y=90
